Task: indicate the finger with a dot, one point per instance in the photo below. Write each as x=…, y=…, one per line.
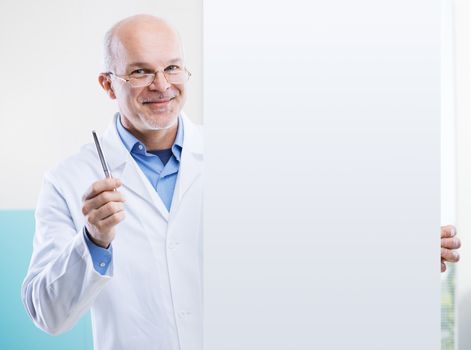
x=443, y=267
x=451, y=243
x=97, y=215
x=97, y=187
x=450, y=255
x=107, y=224
x=448, y=231
x=101, y=199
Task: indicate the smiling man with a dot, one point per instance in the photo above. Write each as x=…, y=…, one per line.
x=128, y=248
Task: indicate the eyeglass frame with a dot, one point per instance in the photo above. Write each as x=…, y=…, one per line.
x=126, y=78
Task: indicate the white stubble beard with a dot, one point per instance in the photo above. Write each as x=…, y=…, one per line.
x=154, y=125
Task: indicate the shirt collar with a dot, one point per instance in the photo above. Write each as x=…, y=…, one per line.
x=133, y=145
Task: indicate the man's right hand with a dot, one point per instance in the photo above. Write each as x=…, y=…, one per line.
x=103, y=208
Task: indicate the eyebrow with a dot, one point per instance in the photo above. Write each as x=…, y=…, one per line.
x=144, y=64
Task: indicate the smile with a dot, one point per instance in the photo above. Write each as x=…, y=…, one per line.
x=158, y=102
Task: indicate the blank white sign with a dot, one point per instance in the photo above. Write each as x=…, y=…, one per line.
x=322, y=199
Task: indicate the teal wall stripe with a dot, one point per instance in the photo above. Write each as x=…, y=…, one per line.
x=17, y=331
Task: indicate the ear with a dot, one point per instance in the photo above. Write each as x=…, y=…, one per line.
x=105, y=82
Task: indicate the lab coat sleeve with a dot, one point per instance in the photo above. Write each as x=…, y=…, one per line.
x=61, y=283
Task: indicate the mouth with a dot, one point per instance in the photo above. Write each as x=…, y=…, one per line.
x=158, y=101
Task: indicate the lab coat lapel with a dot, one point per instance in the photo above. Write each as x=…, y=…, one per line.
x=123, y=166
x=135, y=180
x=191, y=164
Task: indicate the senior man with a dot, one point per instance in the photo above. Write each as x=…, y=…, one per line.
x=128, y=248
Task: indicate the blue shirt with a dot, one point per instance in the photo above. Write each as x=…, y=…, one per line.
x=162, y=177
x=161, y=169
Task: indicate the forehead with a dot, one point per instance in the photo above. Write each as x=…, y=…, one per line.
x=149, y=44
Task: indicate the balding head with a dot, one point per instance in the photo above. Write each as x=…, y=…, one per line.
x=133, y=28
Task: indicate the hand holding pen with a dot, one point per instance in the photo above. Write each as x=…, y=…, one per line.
x=103, y=205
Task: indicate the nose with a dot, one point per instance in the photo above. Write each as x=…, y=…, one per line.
x=160, y=83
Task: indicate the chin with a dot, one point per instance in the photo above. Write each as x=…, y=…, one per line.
x=161, y=122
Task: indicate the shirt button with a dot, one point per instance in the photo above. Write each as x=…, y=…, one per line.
x=102, y=264
x=140, y=147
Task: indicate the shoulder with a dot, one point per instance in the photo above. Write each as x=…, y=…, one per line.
x=75, y=170
x=65, y=183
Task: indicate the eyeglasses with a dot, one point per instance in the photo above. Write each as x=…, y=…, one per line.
x=173, y=76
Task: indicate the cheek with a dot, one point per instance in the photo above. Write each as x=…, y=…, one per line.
x=182, y=94
x=128, y=103
x=132, y=98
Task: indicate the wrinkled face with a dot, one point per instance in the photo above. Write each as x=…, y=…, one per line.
x=146, y=50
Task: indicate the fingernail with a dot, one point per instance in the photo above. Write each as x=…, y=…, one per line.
x=455, y=254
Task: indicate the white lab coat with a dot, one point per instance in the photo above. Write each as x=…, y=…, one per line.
x=151, y=297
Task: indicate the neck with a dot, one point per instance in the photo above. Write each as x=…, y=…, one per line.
x=154, y=140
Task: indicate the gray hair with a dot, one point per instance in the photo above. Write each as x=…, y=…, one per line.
x=107, y=48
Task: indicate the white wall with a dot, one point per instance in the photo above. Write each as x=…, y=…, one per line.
x=50, y=99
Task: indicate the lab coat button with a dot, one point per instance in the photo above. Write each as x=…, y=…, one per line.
x=173, y=245
x=183, y=314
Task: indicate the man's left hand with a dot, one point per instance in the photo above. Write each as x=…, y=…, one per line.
x=449, y=242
